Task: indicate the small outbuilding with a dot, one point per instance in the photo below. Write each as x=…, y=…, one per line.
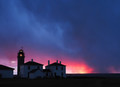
x=6, y=72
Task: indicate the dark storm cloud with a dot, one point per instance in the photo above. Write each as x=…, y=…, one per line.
x=87, y=29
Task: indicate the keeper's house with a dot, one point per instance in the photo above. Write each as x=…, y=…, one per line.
x=31, y=70
x=6, y=72
x=57, y=69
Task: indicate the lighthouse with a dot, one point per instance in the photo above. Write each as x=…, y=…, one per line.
x=20, y=60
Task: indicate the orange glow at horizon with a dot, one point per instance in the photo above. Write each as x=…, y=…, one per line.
x=81, y=68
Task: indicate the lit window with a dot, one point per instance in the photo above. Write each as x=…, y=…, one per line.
x=20, y=54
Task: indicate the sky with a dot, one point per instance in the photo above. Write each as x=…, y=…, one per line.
x=83, y=34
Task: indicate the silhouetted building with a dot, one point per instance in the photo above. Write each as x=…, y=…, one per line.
x=6, y=72
x=34, y=70
x=31, y=69
x=57, y=69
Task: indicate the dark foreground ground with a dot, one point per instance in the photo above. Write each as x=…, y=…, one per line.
x=69, y=82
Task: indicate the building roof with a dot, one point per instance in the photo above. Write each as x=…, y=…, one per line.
x=2, y=67
x=46, y=70
x=56, y=64
x=32, y=63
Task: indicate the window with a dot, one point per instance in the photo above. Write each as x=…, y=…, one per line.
x=0, y=76
x=38, y=67
x=62, y=74
x=55, y=74
x=28, y=74
x=61, y=68
x=29, y=67
x=46, y=74
x=56, y=68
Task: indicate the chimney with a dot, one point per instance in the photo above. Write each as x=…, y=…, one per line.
x=60, y=62
x=57, y=61
x=31, y=60
x=48, y=62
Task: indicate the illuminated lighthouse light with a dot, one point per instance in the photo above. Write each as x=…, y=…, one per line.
x=20, y=54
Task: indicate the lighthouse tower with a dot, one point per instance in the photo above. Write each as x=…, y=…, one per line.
x=20, y=60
